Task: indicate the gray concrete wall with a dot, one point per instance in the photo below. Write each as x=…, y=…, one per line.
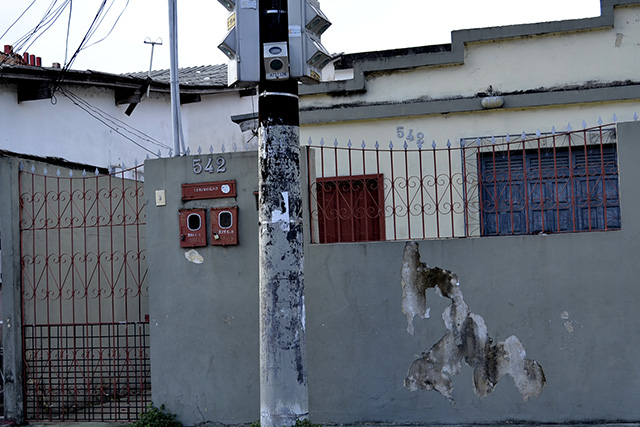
x=204, y=317
x=11, y=300
x=571, y=299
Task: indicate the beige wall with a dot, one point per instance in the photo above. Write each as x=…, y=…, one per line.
x=536, y=63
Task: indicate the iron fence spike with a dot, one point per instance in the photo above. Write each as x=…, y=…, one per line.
x=584, y=124
x=405, y=145
x=433, y=144
x=538, y=133
x=310, y=142
x=635, y=116
x=493, y=139
x=223, y=149
x=377, y=145
x=349, y=144
x=70, y=173
x=159, y=153
x=508, y=138
x=135, y=162
x=335, y=142
x=33, y=169
x=615, y=118
x=188, y=152
x=45, y=171
x=20, y=167
x=448, y=143
x=199, y=149
x=147, y=158
x=235, y=147
x=524, y=136
x=600, y=121
x=569, y=128
x=363, y=145
x=322, y=142
x=211, y=149
x=553, y=130
x=390, y=145
x=58, y=173
x=462, y=143
x=84, y=172
x=170, y=152
x=97, y=172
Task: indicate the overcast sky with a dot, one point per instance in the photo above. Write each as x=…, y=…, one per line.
x=358, y=25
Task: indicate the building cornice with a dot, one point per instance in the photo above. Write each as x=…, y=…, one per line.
x=586, y=94
x=393, y=60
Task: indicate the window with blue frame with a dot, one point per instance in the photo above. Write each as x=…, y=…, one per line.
x=567, y=189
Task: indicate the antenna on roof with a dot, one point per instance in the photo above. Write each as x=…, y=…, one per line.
x=153, y=45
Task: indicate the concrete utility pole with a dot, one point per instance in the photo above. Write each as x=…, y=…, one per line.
x=283, y=373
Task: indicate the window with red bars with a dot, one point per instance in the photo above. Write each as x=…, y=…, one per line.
x=350, y=209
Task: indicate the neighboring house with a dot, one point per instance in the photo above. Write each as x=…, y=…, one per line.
x=111, y=121
x=499, y=93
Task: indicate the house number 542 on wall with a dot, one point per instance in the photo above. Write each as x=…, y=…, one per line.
x=211, y=166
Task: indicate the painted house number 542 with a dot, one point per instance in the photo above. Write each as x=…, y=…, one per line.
x=408, y=135
x=209, y=166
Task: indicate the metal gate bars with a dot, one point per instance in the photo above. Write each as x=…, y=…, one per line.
x=84, y=296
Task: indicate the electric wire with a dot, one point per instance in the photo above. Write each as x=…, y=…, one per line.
x=86, y=37
x=17, y=19
x=66, y=43
x=123, y=129
x=48, y=19
x=95, y=24
x=112, y=27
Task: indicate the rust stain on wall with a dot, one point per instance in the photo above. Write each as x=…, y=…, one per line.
x=466, y=339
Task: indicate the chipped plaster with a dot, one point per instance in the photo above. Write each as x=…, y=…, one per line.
x=466, y=339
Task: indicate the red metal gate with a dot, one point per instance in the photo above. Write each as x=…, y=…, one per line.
x=84, y=295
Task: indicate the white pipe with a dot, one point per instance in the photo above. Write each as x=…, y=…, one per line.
x=175, y=85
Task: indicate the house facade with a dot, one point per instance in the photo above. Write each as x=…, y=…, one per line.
x=118, y=120
x=503, y=92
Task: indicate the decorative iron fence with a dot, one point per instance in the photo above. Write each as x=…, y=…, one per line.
x=529, y=184
x=84, y=296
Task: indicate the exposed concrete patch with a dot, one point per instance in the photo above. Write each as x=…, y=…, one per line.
x=466, y=338
x=194, y=257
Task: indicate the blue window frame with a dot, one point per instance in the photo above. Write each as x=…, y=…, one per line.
x=548, y=191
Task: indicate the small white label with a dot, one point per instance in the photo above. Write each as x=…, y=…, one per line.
x=225, y=189
x=276, y=76
x=295, y=31
x=160, y=198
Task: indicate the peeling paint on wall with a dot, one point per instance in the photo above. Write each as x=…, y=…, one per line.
x=194, y=257
x=466, y=338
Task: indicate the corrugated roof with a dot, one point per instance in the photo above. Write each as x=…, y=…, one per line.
x=204, y=75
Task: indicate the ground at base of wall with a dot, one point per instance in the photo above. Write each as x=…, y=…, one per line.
x=211, y=424
x=490, y=425
x=67, y=424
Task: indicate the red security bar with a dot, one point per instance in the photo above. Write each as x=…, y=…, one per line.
x=531, y=184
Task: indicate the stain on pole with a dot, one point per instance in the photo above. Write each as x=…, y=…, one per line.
x=283, y=375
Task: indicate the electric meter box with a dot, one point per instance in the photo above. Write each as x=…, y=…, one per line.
x=193, y=230
x=224, y=226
